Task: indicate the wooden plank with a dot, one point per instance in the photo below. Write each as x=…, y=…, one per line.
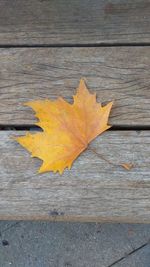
x=31, y=22
x=92, y=190
x=119, y=74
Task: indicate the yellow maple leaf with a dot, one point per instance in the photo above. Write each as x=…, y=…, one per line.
x=67, y=128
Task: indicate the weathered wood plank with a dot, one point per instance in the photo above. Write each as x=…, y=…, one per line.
x=91, y=190
x=119, y=74
x=74, y=21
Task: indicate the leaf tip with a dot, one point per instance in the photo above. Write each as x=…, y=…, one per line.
x=110, y=104
x=82, y=80
x=82, y=84
x=26, y=104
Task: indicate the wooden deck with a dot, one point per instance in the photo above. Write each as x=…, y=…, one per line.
x=45, y=48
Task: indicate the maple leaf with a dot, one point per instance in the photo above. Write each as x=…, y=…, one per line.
x=67, y=128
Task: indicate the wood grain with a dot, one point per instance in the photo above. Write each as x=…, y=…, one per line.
x=119, y=74
x=30, y=22
x=92, y=190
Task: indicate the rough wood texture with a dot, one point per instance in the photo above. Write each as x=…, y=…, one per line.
x=120, y=74
x=74, y=22
x=91, y=190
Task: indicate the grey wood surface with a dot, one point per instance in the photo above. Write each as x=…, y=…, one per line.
x=121, y=74
x=92, y=190
x=74, y=22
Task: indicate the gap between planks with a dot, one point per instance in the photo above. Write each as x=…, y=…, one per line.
x=33, y=127
x=75, y=45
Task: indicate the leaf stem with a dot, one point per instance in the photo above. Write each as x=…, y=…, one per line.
x=101, y=156
x=127, y=166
